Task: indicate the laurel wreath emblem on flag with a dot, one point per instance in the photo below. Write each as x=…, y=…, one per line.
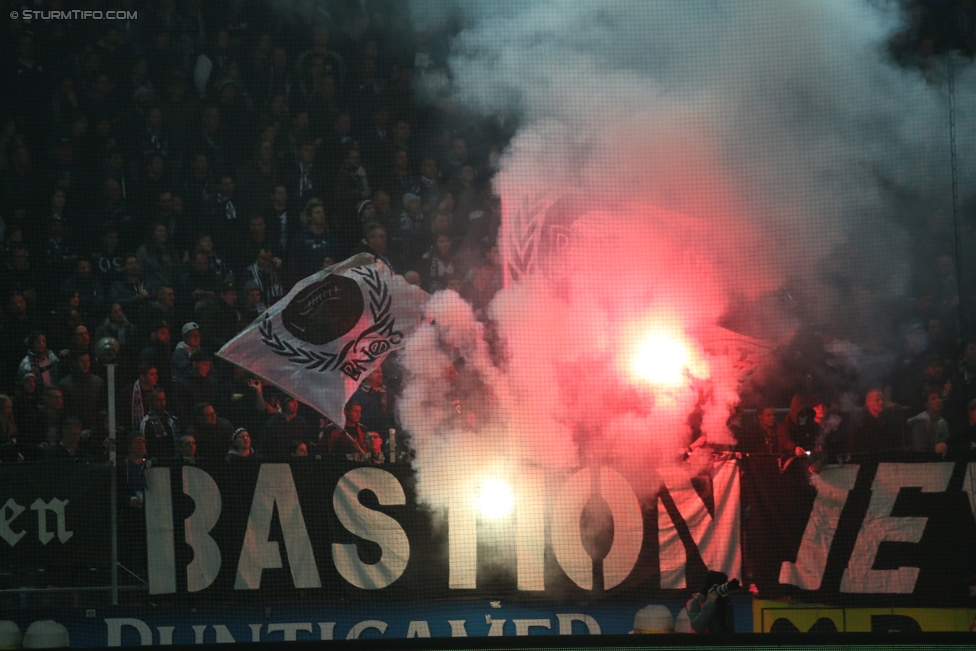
x=354, y=358
x=329, y=332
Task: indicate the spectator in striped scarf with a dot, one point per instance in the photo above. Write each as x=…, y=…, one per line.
x=40, y=361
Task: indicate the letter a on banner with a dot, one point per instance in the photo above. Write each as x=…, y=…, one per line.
x=276, y=488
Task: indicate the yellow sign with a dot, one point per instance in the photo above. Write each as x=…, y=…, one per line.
x=785, y=616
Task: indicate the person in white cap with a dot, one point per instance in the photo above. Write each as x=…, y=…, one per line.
x=184, y=349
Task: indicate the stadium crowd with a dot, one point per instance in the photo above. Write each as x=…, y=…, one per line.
x=165, y=179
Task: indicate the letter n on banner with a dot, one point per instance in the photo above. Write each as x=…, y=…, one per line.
x=717, y=537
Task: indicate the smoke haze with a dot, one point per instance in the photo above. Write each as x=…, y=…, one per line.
x=718, y=155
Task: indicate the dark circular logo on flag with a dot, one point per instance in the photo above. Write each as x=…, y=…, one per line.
x=324, y=311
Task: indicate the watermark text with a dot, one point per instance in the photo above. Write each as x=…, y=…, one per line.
x=74, y=14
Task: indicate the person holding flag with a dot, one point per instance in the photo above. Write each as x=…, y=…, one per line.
x=349, y=441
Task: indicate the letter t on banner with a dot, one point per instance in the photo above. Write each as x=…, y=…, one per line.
x=832, y=487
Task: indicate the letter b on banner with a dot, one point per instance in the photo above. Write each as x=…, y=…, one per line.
x=202, y=489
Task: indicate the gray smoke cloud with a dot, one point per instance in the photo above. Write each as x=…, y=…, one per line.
x=785, y=127
x=725, y=152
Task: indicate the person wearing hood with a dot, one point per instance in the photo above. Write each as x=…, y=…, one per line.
x=929, y=431
x=806, y=434
x=789, y=424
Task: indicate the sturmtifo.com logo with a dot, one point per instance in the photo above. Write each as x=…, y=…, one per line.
x=74, y=14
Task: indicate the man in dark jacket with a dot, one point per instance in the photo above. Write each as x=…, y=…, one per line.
x=875, y=433
x=962, y=436
x=284, y=430
x=159, y=353
x=69, y=447
x=196, y=387
x=210, y=432
x=312, y=248
x=84, y=392
x=220, y=318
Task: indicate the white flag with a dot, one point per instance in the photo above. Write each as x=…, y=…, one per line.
x=333, y=328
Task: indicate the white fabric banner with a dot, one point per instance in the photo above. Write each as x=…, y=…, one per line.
x=717, y=538
x=833, y=486
x=333, y=328
x=879, y=526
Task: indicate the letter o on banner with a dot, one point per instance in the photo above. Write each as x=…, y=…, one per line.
x=628, y=528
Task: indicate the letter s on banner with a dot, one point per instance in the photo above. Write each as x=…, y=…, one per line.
x=370, y=525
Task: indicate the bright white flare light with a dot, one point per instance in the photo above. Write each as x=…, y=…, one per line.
x=495, y=499
x=662, y=359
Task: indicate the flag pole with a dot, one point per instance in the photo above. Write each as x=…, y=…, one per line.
x=112, y=463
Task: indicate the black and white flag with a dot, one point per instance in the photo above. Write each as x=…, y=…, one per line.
x=333, y=328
